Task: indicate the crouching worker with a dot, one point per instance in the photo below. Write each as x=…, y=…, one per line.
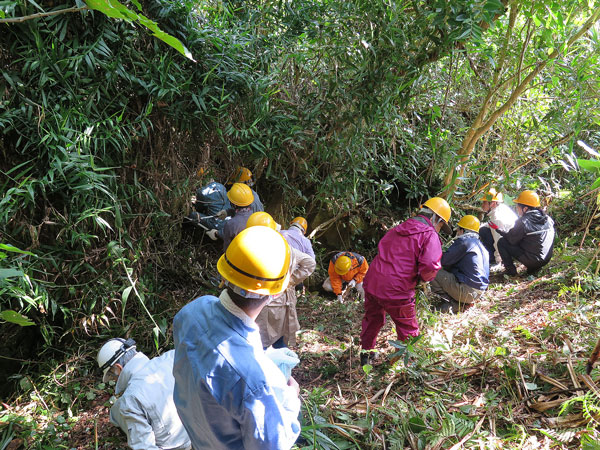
x=278, y=321
x=465, y=272
x=346, y=270
x=145, y=410
x=407, y=254
x=228, y=393
x=531, y=239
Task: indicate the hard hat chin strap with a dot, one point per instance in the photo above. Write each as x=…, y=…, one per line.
x=127, y=345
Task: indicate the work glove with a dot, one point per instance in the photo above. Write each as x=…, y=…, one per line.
x=221, y=214
x=351, y=284
x=360, y=290
x=277, y=227
x=284, y=358
x=493, y=226
x=213, y=234
x=340, y=298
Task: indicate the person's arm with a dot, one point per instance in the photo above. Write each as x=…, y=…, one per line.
x=305, y=266
x=516, y=233
x=362, y=271
x=454, y=253
x=336, y=280
x=277, y=429
x=140, y=435
x=428, y=260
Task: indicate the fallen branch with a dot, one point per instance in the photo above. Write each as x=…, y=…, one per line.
x=43, y=14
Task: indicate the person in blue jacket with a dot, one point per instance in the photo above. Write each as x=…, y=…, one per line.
x=228, y=393
x=465, y=272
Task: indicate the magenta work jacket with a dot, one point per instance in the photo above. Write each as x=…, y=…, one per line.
x=407, y=254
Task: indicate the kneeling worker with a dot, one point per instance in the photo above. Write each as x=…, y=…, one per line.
x=465, y=268
x=145, y=410
x=228, y=393
x=346, y=270
x=531, y=239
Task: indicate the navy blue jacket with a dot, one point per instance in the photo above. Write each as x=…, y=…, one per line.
x=469, y=261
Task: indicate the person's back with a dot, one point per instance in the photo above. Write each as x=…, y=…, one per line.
x=468, y=260
x=534, y=233
x=236, y=398
x=235, y=225
x=256, y=204
x=503, y=217
x=296, y=239
x=145, y=410
x=407, y=252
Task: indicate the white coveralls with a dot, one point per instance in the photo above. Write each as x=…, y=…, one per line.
x=145, y=411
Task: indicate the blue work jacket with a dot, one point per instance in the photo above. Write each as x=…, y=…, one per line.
x=469, y=261
x=228, y=393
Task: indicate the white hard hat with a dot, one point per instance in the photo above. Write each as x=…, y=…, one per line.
x=110, y=353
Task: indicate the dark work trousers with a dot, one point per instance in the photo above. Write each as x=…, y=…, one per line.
x=508, y=252
x=486, y=238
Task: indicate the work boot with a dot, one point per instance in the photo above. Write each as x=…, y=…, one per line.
x=447, y=306
x=366, y=358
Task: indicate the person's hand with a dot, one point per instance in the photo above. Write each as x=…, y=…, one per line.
x=293, y=383
x=213, y=234
x=340, y=298
x=493, y=226
x=351, y=284
x=221, y=214
x=277, y=227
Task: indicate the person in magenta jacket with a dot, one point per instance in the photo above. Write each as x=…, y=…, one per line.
x=408, y=253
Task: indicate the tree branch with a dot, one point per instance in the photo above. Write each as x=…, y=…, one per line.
x=42, y=14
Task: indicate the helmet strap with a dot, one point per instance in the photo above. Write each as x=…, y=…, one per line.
x=125, y=347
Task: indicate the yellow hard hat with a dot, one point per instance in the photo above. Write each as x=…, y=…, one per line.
x=439, y=206
x=261, y=218
x=492, y=196
x=242, y=175
x=343, y=265
x=528, y=198
x=240, y=195
x=300, y=221
x=257, y=261
x=469, y=223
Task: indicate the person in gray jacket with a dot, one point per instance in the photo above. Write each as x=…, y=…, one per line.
x=144, y=410
x=531, y=240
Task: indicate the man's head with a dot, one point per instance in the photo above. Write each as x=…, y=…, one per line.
x=240, y=195
x=526, y=201
x=468, y=223
x=256, y=264
x=113, y=356
x=261, y=219
x=491, y=199
x=438, y=210
x=243, y=175
x=301, y=223
x=343, y=265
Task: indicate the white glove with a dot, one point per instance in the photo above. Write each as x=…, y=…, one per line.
x=284, y=358
x=221, y=214
x=340, y=298
x=360, y=290
x=351, y=284
x=277, y=227
x=213, y=234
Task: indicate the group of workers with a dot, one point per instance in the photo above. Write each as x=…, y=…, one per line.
x=231, y=363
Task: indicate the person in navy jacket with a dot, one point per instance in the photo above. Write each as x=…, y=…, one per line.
x=465, y=272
